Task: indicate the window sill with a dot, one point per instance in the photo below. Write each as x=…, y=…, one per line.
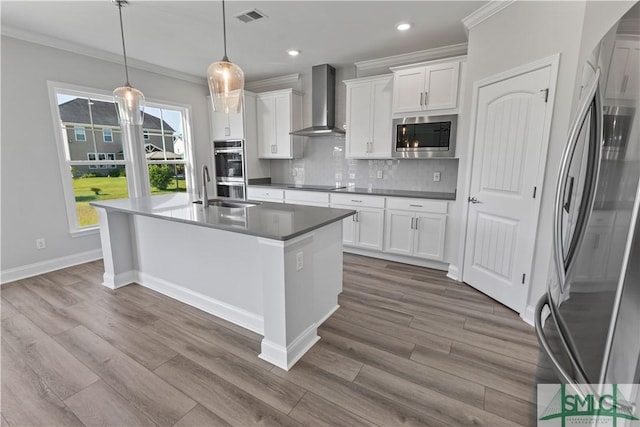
x=80, y=232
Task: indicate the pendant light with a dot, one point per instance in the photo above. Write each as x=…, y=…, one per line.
x=226, y=80
x=128, y=99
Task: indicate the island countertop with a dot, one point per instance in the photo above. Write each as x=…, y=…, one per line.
x=276, y=221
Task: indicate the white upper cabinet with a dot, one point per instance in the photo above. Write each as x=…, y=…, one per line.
x=624, y=72
x=426, y=87
x=226, y=126
x=369, y=117
x=278, y=114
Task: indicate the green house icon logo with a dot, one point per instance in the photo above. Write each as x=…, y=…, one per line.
x=604, y=409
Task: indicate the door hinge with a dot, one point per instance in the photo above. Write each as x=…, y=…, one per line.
x=546, y=94
x=535, y=189
x=523, y=277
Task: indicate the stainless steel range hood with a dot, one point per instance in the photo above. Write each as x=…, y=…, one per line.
x=323, y=103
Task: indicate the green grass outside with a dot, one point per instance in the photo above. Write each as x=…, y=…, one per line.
x=110, y=188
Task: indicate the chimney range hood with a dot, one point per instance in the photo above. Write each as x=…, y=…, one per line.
x=323, y=103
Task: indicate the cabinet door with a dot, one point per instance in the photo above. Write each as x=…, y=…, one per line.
x=369, y=226
x=622, y=81
x=398, y=232
x=408, y=86
x=442, y=86
x=283, y=126
x=429, y=236
x=266, y=113
x=359, y=99
x=236, y=125
x=219, y=125
x=381, y=126
x=348, y=226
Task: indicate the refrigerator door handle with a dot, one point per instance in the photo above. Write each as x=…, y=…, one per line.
x=544, y=344
x=592, y=93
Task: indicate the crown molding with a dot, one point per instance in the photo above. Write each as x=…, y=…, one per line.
x=413, y=57
x=484, y=12
x=287, y=80
x=91, y=52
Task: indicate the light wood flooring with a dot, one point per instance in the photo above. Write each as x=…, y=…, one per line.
x=407, y=347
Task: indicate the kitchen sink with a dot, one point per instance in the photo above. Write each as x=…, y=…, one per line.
x=228, y=203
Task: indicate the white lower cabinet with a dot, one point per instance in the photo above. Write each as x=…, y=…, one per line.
x=265, y=194
x=365, y=229
x=418, y=231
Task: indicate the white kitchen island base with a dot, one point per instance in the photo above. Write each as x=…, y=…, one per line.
x=281, y=289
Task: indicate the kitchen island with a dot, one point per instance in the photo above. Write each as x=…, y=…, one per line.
x=273, y=268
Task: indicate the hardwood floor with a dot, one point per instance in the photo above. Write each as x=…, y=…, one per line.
x=407, y=347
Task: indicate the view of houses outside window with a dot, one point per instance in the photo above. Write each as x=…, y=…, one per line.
x=94, y=153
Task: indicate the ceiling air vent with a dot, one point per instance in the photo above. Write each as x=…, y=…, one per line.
x=250, y=16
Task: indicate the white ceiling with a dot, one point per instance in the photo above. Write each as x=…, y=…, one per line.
x=186, y=36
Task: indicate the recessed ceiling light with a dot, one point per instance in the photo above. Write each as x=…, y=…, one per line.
x=403, y=26
x=293, y=52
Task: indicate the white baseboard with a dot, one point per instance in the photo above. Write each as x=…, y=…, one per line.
x=210, y=305
x=528, y=314
x=454, y=273
x=42, y=267
x=286, y=357
x=119, y=280
x=436, y=265
x=326, y=316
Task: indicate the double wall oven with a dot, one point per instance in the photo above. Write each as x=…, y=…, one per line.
x=228, y=158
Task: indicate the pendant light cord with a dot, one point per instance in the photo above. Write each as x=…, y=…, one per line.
x=224, y=32
x=124, y=49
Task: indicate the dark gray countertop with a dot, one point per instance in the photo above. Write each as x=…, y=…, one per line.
x=357, y=190
x=269, y=220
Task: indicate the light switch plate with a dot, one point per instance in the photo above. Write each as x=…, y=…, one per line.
x=379, y=174
x=436, y=176
x=299, y=261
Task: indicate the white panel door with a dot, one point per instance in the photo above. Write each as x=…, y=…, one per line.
x=236, y=125
x=369, y=223
x=508, y=141
x=408, y=86
x=348, y=226
x=442, y=86
x=429, y=236
x=359, y=119
x=398, y=232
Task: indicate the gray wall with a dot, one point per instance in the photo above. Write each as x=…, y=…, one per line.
x=33, y=203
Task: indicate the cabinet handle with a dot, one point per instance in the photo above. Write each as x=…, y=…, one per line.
x=227, y=132
x=412, y=220
x=421, y=98
x=353, y=217
x=416, y=206
x=417, y=223
x=426, y=95
x=356, y=201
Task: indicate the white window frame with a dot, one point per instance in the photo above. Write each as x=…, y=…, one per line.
x=65, y=163
x=76, y=132
x=107, y=132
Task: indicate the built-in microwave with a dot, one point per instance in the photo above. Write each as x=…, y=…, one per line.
x=424, y=136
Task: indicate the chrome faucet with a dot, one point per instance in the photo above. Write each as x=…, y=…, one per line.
x=205, y=179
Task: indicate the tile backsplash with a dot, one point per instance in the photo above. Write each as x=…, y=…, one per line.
x=324, y=163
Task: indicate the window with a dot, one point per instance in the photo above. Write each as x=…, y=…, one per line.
x=93, y=171
x=80, y=133
x=107, y=135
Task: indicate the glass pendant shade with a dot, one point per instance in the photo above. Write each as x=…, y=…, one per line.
x=129, y=101
x=226, y=84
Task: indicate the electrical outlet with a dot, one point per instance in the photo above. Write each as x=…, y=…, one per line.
x=379, y=174
x=436, y=176
x=41, y=243
x=299, y=261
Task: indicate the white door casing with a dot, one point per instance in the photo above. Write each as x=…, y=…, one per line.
x=510, y=136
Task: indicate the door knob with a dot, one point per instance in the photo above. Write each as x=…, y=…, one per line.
x=474, y=200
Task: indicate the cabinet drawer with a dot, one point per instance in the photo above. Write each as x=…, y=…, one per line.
x=417, y=205
x=261, y=193
x=293, y=196
x=357, y=200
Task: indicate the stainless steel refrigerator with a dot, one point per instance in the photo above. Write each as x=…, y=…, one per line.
x=588, y=322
